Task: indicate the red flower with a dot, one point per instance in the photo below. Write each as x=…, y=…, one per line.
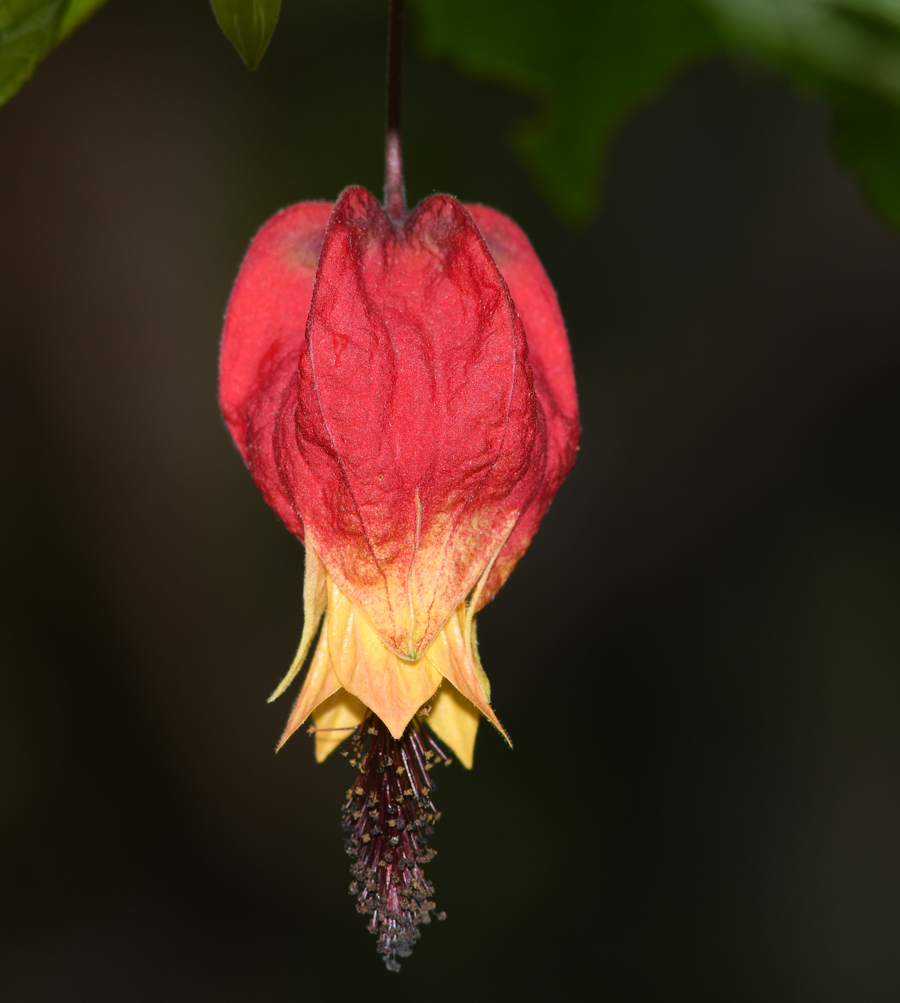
x=403, y=396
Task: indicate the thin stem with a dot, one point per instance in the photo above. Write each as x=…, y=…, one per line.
x=394, y=189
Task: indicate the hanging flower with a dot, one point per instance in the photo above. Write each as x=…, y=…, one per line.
x=404, y=398
x=402, y=392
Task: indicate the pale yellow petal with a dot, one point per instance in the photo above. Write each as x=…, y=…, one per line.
x=472, y=607
x=455, y=722
x=392, y=687
x=455, y=656
x=320, y=683
x=467, y=624
x=470, y=636
x=335, y=720
x=315, y=596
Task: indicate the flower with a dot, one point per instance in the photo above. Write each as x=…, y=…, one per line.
x=402, y=392
x=403, y=395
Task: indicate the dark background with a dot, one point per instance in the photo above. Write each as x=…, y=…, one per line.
x=697, y=660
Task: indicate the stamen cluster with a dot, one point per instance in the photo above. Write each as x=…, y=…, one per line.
x=388, y=815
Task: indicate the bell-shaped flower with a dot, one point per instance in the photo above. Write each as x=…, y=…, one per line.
x=403, y=396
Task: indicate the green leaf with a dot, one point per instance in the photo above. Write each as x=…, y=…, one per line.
x=249, y=25
x=29, y=29
x=77, y=12
x=588, y=62
x=848, y=52
x=853, y=41
x=867, y=139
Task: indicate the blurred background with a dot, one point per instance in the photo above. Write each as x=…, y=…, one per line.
x=698, y=659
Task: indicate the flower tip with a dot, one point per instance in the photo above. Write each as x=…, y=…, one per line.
x=496, y=723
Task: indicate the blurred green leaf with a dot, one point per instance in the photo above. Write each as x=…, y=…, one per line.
x=848, y=52
x=588, y=62
x=77, y=12
x=249, y=25
x=29, y=29
x=867, y=138
x=853, y=41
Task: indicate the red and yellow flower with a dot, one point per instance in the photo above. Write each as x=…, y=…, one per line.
x=403, y=395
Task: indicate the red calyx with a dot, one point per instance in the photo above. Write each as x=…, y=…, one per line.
x=403, y=395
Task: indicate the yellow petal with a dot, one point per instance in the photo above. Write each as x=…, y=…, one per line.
x=335, y=720
x=467, y=623
x=455, y=721
x=470, y=634
x=314, y=600
x=320, y=683
x=392, y=687
x=456, y=657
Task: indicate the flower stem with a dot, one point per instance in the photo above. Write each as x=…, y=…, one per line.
x=394, y=188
